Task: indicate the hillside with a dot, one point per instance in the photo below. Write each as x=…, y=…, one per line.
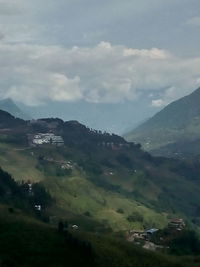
x=184, y=149
x=178, y=122
x=25, y=241
x=99, y=181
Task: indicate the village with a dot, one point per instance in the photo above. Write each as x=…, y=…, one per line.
x=155, y=239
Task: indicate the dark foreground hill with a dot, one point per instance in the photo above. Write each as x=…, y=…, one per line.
x=178, y=123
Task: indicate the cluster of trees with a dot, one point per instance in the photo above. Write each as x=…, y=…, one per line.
x=135, y=217
x=124, y=160
x=187, y=243
x=20, y=196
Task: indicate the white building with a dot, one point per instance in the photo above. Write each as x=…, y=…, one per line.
x=47, y=138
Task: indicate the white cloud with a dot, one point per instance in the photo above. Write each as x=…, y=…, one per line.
x=168, y=95
x=195, y=21
x=157, y=103
x=104, y=73
x=153, y=53
x=64, y=89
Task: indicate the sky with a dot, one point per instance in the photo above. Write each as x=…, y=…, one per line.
x=99, y=52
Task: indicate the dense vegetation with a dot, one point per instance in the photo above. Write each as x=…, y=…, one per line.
x=21, y=195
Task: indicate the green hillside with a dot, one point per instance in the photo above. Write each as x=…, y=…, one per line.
x=99, y=181
x=25, y=241
x=80, y=191
x=184, y=149
x=179, y=122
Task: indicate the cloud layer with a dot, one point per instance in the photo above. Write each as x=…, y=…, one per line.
x=105, y=73
x=194, y=21
x=11, y=7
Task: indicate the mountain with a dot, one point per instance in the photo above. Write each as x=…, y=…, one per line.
x=175, y=125
x=9, y=106
x=111, y=117
x=7, y=120
x=98, y=180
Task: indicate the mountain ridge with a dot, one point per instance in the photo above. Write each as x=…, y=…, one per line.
x=177, y=122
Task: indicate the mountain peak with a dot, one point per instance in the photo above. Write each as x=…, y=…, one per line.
x=8, y=105
x=8, y=101
x=179, y=120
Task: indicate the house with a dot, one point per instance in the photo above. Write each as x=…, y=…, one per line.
x=38, y=207
x=30, y=188
x=152, y=231
x=176, y=223
x=134, y=235
x=57, y=140
x=75, y=227
x=47, y=138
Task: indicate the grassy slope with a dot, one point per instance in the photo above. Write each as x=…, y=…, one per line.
x=148, y=189
x=27, y=242
x=18, y=161
x=75, y=194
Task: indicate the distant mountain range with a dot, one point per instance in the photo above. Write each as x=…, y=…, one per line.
x=174, y=131
x=9, y=106
x=111, y=117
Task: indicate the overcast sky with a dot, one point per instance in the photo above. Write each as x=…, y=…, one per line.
x=100, y=51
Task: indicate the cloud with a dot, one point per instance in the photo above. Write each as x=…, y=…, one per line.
x=157, y=103
x=11, y=7
x=2, y=36
x=104, y=73
x=195, y=21
x=168, y=95
x=18, y=33
x=153, y=53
